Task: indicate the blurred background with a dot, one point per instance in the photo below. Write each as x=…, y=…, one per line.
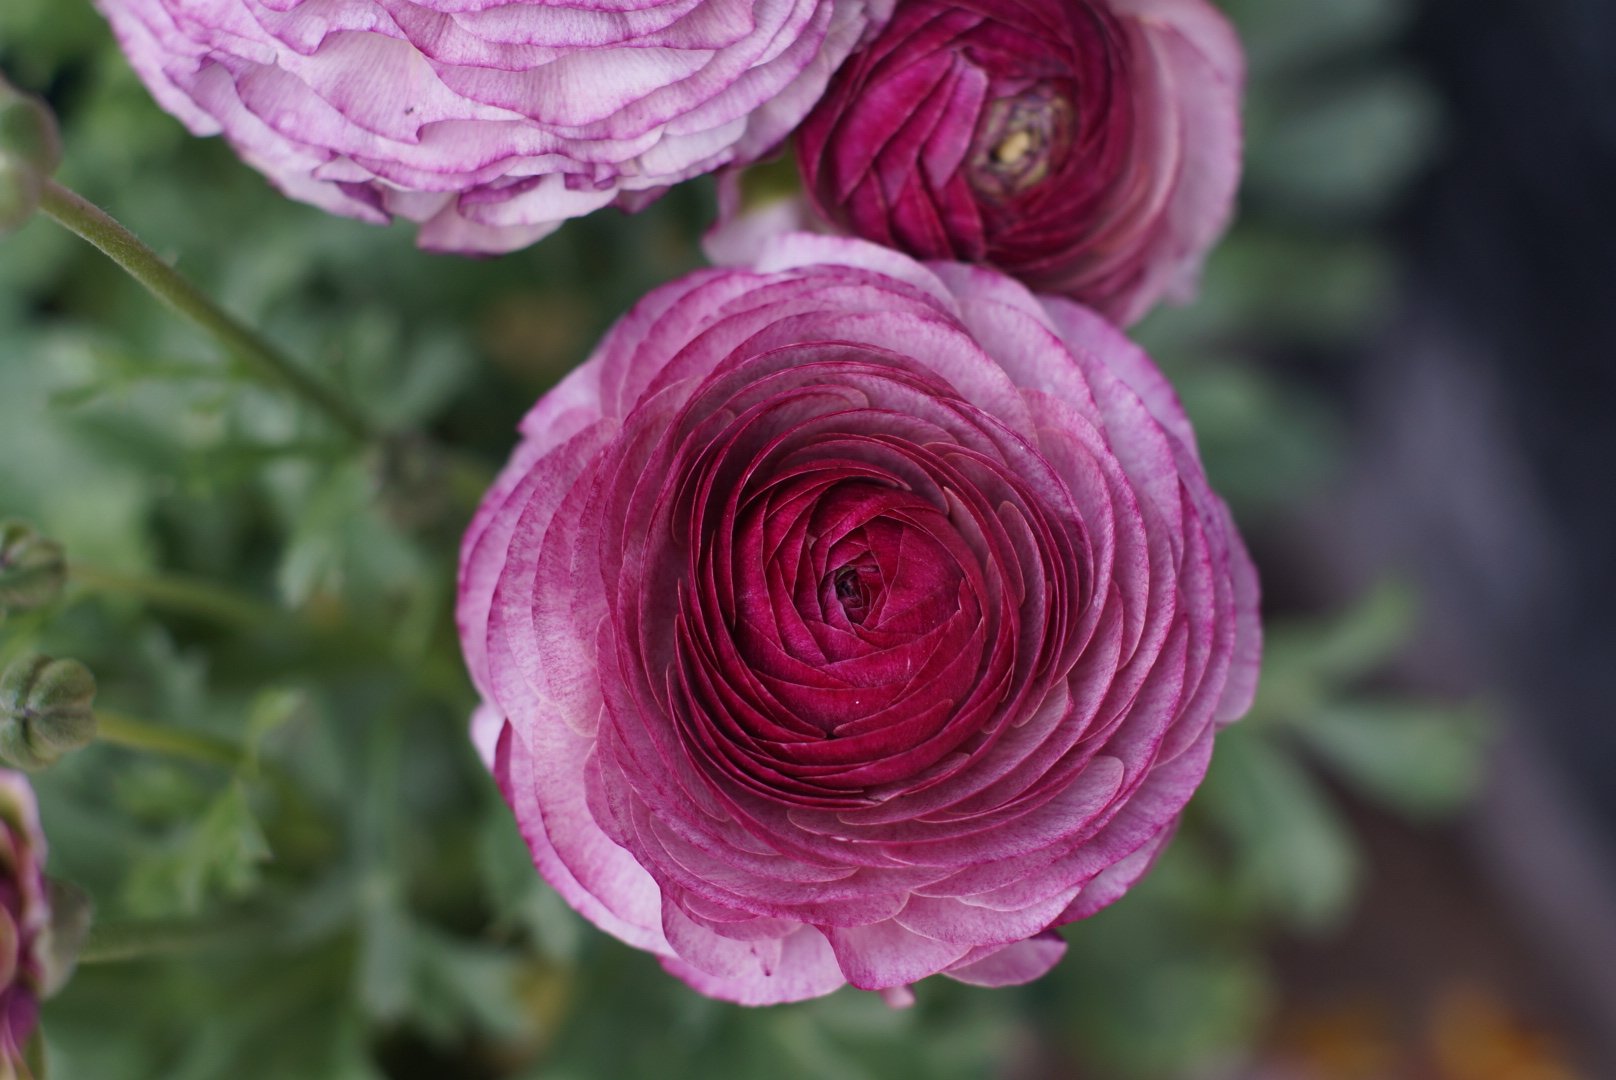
x=1400, y=369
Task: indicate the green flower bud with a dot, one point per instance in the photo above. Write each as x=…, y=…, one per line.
x=45, y=710
x=32, y=568
x=30, y=151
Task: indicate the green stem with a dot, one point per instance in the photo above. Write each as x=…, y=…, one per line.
x=440, y=677
x=114, y=942
x=122, y=730
x=93, y=224
x=194, y=596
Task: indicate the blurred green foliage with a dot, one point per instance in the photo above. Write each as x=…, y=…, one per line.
x=301, y=870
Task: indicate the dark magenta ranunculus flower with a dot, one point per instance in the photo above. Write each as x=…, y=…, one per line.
x=851, y=620
x=488, y=121
x=25, y=921
x=1087, y=147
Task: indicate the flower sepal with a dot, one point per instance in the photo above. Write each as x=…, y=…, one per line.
x=30, y=151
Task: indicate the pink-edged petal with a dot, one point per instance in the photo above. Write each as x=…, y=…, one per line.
x=806, y=969
x=489, y=124
x=600, y=880
x=1014, y=964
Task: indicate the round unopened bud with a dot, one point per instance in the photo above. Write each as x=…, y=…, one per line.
x=32, y=568
x=46, y=709
x=30, y=151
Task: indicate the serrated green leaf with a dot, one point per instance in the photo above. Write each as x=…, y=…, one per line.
x=342, y=545
x=221, y=855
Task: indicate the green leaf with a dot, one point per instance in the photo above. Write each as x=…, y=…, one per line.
x=519, y=897
x=386, y=950
x=1309, y=663
x=1347, y=151
x=1158, y=985
x=221, y=855
x=462, y=986
x=1277, y=39
x=1288, y=844
x=342, y=546
x=1265, y=445
x=1424, y=760
x=272, y=709
x=1293, y=285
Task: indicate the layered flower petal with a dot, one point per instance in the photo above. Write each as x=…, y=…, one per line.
x=25, y=920
x=847, y=619
x=488, y=123
x=1088, y=147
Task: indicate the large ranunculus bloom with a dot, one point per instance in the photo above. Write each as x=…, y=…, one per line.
x=851, y=620
x=488, y=121
x=1087, y=147
x=24, y=920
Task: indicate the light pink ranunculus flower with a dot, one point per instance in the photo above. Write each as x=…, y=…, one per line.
x=851, y=620
x=1087, y=147
x=489, y=122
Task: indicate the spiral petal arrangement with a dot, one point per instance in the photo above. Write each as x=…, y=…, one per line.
x=1087, y=147
x=851, y=620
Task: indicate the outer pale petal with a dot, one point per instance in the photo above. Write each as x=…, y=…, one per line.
x=487, y=727
x=488, y=124
x=806, y=969
x=739, y=239
x=1208, y=69
x=598, y=878
x=884, y=955
x=1014, y=964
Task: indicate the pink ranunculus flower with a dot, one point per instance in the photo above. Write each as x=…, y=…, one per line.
x=25, y=921
x=851, y=620
x=1087, y=147
x=488, y=121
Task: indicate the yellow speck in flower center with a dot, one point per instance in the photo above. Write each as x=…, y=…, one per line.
x=1019, y=142
x=1014, y=147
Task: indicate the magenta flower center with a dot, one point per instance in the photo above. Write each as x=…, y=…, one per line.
x=865, y=582
x=853, y=588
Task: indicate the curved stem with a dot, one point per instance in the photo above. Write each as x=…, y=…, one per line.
x=136, y=734
x=438, y=676
x=194, y=596
x=114, y=942
x=93, y=224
